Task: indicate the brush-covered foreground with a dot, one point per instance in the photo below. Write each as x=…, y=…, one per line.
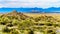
x=18, y=23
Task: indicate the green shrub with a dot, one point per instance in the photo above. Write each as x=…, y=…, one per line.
x=6, y=30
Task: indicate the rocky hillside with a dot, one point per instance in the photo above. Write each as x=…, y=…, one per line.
x=18, y=23
x=16, y=15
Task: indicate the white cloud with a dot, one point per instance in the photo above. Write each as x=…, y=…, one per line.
x=30, y=3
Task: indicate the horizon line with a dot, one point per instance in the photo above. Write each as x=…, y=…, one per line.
x=29, y=7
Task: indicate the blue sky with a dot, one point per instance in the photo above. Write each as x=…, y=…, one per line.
x=29, y=3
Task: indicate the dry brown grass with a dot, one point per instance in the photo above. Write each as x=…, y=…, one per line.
x=55, y=15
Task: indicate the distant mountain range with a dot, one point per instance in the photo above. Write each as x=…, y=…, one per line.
x=32, y=10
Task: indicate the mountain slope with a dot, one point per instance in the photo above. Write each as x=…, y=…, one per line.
x=16, y=15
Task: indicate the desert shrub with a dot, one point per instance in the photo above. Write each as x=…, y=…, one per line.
x=25, y=24
x=22, y=18
x=35, y=23
x=49, y=24
x=31, y=32
x=14, y=31
x=53, y=33
x=49, y=31
x=41, y=24
x=3, y=23
x=6, y=30
x=37, y=19
x=9, y=25
x=15, y=22
x=56, y=25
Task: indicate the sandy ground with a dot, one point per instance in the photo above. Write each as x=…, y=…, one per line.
x=55, y=15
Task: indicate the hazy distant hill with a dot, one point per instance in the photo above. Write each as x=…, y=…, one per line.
x=29, y=10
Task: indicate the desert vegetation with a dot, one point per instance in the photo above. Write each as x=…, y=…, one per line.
x=18, y=23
